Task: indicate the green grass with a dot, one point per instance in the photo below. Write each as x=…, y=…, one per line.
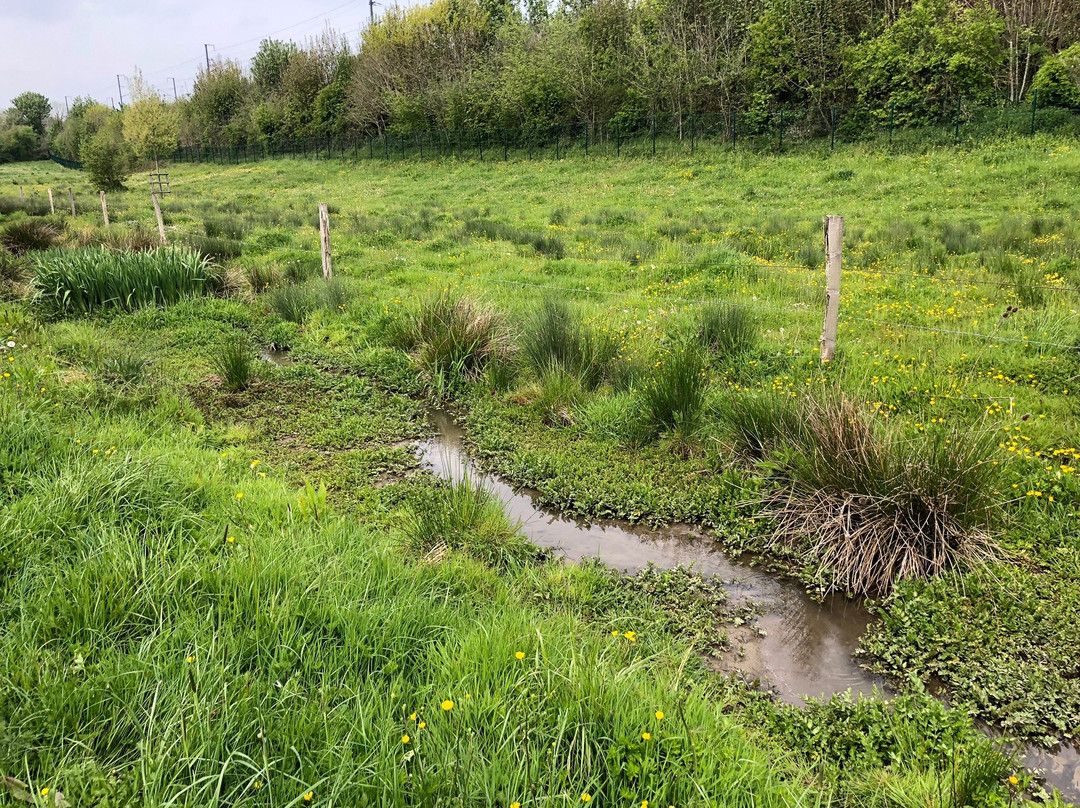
x=301, y=630
x=71, y=282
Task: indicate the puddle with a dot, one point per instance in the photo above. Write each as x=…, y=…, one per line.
x=276, y=357
x=807, y=645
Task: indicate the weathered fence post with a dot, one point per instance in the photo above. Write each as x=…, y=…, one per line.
x=104, y=210
x=160, y=220
x=22, y=197
x=52, y=207
x=324, y=237
x=71, y=199
x=834, y=250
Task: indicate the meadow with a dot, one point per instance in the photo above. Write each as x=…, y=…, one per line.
x=229, y=581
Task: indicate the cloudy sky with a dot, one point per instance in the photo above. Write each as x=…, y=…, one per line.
x=76, y=47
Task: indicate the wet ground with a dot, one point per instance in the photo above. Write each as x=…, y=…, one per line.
x=797, y=647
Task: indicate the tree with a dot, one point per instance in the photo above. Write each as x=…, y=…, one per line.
x=106, y=158
x=32, y=109
x=17, y=143
x=269, y=63
x=1058, y=80
x=151, y=126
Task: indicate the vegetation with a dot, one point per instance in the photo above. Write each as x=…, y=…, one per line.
x=235, y=363
x=341, y=562
x=87, y=280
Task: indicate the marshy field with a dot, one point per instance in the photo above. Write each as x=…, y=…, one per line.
x=545, y=498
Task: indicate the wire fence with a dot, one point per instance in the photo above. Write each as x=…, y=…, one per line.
x=774, y=130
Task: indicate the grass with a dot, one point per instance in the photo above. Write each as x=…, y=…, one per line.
x=235, y=363
x=555, y=339
x=89, y=280
x=727, y=330
x=922, y=252
x=23, y=235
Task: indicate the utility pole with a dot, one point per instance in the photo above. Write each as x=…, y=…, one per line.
x=67, y=109
x=371, y=9
x=121, y=89
x=206, y=49
x=174, y=98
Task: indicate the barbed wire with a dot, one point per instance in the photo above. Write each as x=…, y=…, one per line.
x=968, y=281
x=975, y=334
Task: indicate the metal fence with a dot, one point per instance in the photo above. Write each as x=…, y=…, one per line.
x=775, y=131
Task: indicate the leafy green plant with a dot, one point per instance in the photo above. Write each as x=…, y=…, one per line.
x=235, y=361
x=87, y=280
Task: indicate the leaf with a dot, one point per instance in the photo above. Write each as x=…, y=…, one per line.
x=18, y=790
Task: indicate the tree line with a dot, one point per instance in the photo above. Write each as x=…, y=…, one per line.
x=490, y=65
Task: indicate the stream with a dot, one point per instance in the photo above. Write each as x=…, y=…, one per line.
x=796, y=647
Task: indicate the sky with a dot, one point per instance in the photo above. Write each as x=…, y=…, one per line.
x=77, y=47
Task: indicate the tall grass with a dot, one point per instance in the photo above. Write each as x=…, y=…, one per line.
x=457, y=337
x=235, y=362
x=556, y=338
x=673, y=396
x=462, y=515
x=728, y=330
x=88, y=280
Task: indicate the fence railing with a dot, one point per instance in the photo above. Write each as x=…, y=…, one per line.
x=776, y=131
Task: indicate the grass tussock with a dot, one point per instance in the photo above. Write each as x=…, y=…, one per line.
x=26, y=235
x=463, y=516
x=457, y=337
x=728, y=330
x=235, y=362
x=555, y=338
x=875, y=507
x=673, y=396
x=84, y=281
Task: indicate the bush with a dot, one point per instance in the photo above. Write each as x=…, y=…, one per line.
x=727, y=330
x=18, y=143
x=463, y=515
x=878, y=508
x=1058, y=80
x=555, y=337
x=106, y=160
x=235, y=363
x=23, y=235
x=86, y=280
x=457, y=337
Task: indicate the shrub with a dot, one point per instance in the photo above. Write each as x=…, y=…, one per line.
x=673, y=397
x=457, y=337
x=555, y=337
x=235, y=363
x=106, y=160
x=877, y=508
x=83, y=281
x=463, y=515
x=23, y=235
x=727, y=330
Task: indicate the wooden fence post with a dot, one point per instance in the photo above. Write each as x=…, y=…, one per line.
x=104, y=210
x=52, y=207
x=160, y=221
x=22, y=197
x=324, y=234
x=834, y=249
x=71, y=199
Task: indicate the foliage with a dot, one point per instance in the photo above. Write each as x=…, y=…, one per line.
x=32, y=110
x=151, y=127
x=18, y=143
x=269, y=64
x=87, y=280
x=106, y=158
x=674, y=394
x=935, y=51
x=85, y=118
x=1058, y=79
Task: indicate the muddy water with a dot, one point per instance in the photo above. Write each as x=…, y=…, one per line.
x=797, y=648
